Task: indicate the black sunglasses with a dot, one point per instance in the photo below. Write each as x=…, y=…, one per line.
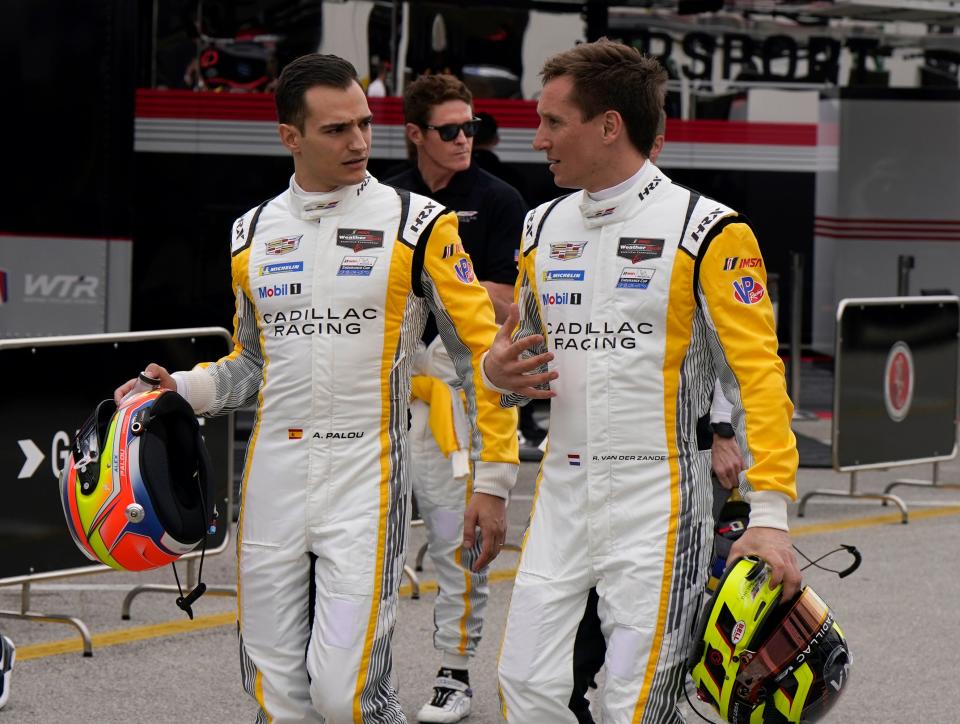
x=449, y=131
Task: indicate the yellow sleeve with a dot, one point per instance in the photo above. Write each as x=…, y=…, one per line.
x=736, y=298
x=466, y=324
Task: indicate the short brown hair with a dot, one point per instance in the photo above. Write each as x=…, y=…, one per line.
x=429, y=91
x=611, y=76
x=303, y=74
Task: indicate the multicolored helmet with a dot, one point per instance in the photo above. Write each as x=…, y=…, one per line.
x=136, y=490
x=756, y=659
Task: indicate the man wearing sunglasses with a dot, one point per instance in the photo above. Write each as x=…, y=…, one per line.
x=440, y=126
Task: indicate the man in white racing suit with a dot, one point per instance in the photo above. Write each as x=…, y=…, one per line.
x=333, y=280
x=637, y=294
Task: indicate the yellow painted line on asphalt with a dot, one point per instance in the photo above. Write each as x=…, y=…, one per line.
x=126, y=636
x=814, y=528
x=172, y=628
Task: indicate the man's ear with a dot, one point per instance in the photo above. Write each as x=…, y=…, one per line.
x=612, y=126
x=290, y=137
x=414, y=134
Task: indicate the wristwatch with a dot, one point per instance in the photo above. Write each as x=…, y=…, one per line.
x=723, y=429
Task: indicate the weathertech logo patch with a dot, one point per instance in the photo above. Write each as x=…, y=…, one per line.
x=359, y=239
x=637, y=250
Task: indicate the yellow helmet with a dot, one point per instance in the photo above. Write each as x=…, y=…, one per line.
x=757, y=659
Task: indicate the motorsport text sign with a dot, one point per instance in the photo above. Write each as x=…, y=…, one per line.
x=54, y=384
x=895, y=399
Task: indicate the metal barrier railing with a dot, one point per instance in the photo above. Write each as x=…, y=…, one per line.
x=107, y=360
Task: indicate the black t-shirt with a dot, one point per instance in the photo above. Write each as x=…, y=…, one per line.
x=490, y=214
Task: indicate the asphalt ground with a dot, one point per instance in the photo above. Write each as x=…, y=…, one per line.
x=899, y=613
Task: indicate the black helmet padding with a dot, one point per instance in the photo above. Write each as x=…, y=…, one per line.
x=176, y=467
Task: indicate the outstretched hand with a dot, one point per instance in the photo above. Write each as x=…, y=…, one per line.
x=506, y=369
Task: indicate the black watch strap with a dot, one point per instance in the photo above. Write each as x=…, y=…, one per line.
x=723, y=429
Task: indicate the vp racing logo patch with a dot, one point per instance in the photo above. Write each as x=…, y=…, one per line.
x=464, y=271
x=748, y=290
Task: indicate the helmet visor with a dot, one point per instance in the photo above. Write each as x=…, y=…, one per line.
x=789, y=644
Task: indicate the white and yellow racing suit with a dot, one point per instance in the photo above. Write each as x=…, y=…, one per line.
x=645, y=299
x=332, y=291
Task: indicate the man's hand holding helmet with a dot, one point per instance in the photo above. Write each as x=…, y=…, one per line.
x=773, y=546
x=152, y=370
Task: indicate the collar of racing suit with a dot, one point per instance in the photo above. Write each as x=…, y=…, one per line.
x=310, y=205
x=624, y=204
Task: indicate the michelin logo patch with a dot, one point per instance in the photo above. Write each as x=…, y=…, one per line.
x=281, y=268
x=635, y=278
x=564, y=275
x=356, y=266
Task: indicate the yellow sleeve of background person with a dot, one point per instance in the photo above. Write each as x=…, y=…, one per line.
x=465, y=321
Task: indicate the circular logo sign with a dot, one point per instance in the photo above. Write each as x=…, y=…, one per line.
x=738, y=630
x=898, y=381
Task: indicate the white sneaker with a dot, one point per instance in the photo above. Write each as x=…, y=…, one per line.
x=451, y=702
x=8, y=654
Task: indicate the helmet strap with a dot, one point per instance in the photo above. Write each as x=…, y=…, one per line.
x=185, y=603
x=852, y=550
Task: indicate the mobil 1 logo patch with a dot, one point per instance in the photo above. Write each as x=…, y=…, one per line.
x=637, y=249
x=635, y=277
x=359, y=239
